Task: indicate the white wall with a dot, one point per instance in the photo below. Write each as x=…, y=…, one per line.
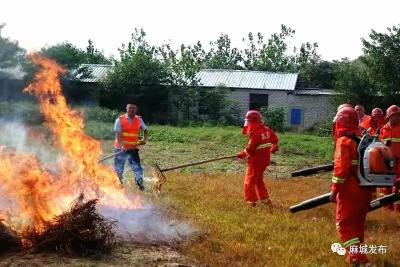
x=314, y=108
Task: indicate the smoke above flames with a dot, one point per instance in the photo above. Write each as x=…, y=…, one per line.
x=41, y=173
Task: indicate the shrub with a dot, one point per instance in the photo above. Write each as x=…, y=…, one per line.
x=101, y=114
x=274, y=118
x=100, y=130
x=25, y=111
x=323, y=128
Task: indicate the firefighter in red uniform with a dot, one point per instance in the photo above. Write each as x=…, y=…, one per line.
x=262, y=141
x=375, y=124
x=363, y=119
x=352, y=200
x=390, y=136
x=334, y=122
x=377, y=121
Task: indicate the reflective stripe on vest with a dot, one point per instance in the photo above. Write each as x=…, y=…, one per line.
x=354, y=162
x=262, y=146
x=394, y=140
x=351, y=242
x=129, y=132
x=259, y=147
x=338, y=180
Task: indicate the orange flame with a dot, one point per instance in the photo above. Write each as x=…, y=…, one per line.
x=39, y=195
x=30, y=186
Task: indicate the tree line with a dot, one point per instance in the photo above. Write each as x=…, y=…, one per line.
x=163, y=79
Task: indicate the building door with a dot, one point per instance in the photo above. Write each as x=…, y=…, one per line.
x=258, y=101
x=295, y=117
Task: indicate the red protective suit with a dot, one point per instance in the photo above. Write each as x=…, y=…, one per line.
x=352, y=200
x=390, y=135
x=262, y=141
x=365, y=122
x=377, y=121
x=375, y=126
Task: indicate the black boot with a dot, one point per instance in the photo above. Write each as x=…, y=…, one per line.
x=121, y=179
x=141, y=186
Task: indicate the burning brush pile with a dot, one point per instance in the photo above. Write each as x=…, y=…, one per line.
x=43, y=209
x=9, y=239
x=81, y=230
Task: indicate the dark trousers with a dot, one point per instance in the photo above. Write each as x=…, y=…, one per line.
x=134, y=162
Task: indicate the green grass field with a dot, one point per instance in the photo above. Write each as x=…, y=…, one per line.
x=210, y=198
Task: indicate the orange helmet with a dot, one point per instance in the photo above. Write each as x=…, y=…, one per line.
x=343, y=106
x=253, y=116
x=339, y=108
x=346, y=117
x=377, y=112
x=393, y=109
x=252, y=120
x=381, y=160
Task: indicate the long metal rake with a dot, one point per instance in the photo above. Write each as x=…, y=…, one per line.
x=161, y=179
x=109, y=156
x=114, y=154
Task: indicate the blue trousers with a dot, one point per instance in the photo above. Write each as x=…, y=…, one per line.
x=134, y=162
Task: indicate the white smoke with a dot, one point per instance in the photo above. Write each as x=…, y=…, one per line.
x=15, y=72
x=147, y=225
x=15, y=136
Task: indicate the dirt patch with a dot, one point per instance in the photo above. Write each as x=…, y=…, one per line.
x=126, y=255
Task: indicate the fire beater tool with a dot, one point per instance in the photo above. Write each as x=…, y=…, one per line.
x=160, y=177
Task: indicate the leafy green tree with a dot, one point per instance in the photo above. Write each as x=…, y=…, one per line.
x=321, y=74
x=11, y=54
x=139, y=76
x=94, y=56
x=216, y=108
x=308, y=64
x=354, y=84
x=272, y=55
x=184, y=63
x=222, y=55
x=276, y=55
x=71, y=56
x=382, y=56
x=65, y=54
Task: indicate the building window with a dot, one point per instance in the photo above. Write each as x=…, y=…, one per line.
x=295, y=116
x=258, y=101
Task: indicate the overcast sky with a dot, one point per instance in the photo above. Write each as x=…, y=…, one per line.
x=336, y=26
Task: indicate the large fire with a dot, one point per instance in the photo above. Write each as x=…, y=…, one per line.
x=36, y=195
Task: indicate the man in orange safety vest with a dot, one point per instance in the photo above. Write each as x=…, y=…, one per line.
x=127, y=129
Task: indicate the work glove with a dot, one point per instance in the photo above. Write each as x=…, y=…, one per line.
x=332, y=197
x=335, y=189
x=396, y=185
x=241, y=155
x=387, y=142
